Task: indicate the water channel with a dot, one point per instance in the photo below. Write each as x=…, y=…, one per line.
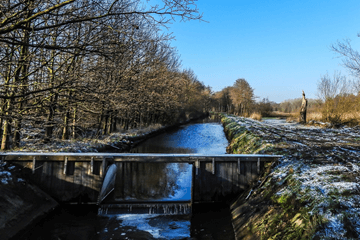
x=208, y=221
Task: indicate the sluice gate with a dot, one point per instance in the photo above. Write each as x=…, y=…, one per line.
x=141, y=183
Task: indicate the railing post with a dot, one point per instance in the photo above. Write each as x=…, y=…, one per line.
x=103, y=166
x=238, y=166
x=65, y=164
x=92, y=165
x=213, y=166
x=197, y=166
x=33, y=165
x=258, y=166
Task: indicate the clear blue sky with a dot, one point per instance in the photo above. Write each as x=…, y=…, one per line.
x=279, y=47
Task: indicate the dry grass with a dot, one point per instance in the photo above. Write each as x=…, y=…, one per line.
x=312, y=114
x=293, y=117
x=349, y=118
x=315, y=116
x=256, y=116
x=279, y=114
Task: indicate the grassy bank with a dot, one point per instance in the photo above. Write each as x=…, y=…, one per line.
x=241, y=139
x=307, y=194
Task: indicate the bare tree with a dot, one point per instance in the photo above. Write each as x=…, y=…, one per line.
x=337, y=97
x=351, y=57
x=14, y=13
x=329, y=88
x=91, y=63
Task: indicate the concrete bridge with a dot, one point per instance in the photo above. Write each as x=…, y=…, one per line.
x=118, y=180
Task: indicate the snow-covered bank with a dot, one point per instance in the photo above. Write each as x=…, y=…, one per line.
x=118, y=141
x=312, y=192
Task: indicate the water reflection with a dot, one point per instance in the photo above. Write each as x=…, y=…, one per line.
x=153, y=182
x=202, y=138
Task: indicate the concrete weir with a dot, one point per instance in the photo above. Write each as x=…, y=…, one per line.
x=118, y=180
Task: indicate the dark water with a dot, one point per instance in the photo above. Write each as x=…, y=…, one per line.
x=71, y=222
x=208, y=221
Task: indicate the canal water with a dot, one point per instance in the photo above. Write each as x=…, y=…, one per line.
x=203, y=137
x=208, y=221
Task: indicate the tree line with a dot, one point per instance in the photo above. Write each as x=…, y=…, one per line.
x=239, y=99
x=71, y=66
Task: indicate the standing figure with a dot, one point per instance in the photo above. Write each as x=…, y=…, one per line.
x=303, y=109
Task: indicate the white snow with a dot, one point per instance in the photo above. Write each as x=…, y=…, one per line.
x=5, y=176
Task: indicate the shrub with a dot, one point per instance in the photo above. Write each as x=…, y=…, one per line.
x=256, y=116
x=335, y=110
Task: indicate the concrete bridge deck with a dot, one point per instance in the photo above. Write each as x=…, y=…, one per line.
x=139, y=157
x=70, y=176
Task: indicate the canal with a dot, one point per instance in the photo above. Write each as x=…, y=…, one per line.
x=208, y=221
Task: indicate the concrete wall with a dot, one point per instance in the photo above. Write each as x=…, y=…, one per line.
x=72, y=177
x=78, y=183
x=226, y=183
x=20, y=204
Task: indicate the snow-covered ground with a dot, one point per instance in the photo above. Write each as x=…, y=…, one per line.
x=7, y=176
x=32, y=140
x=325, y=165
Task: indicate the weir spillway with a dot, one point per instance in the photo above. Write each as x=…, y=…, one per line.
x=122, y=180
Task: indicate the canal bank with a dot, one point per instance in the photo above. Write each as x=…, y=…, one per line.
x=310, y=193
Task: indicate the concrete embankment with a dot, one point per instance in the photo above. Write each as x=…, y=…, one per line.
x=310, y=193
x=21, y=203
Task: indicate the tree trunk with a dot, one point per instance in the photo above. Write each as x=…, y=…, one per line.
x=106, y=119
x=21, y=79
x=303, y=110
x=65, y=134
x=5, y=142
x=50, y=119
x=109, y=123
x=74, y=123
x=17, y=129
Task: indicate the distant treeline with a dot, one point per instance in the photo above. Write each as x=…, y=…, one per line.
x=70, y=66
x=293, y=105
x=239, y=99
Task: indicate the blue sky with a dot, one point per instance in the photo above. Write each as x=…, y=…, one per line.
x=279, y=47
